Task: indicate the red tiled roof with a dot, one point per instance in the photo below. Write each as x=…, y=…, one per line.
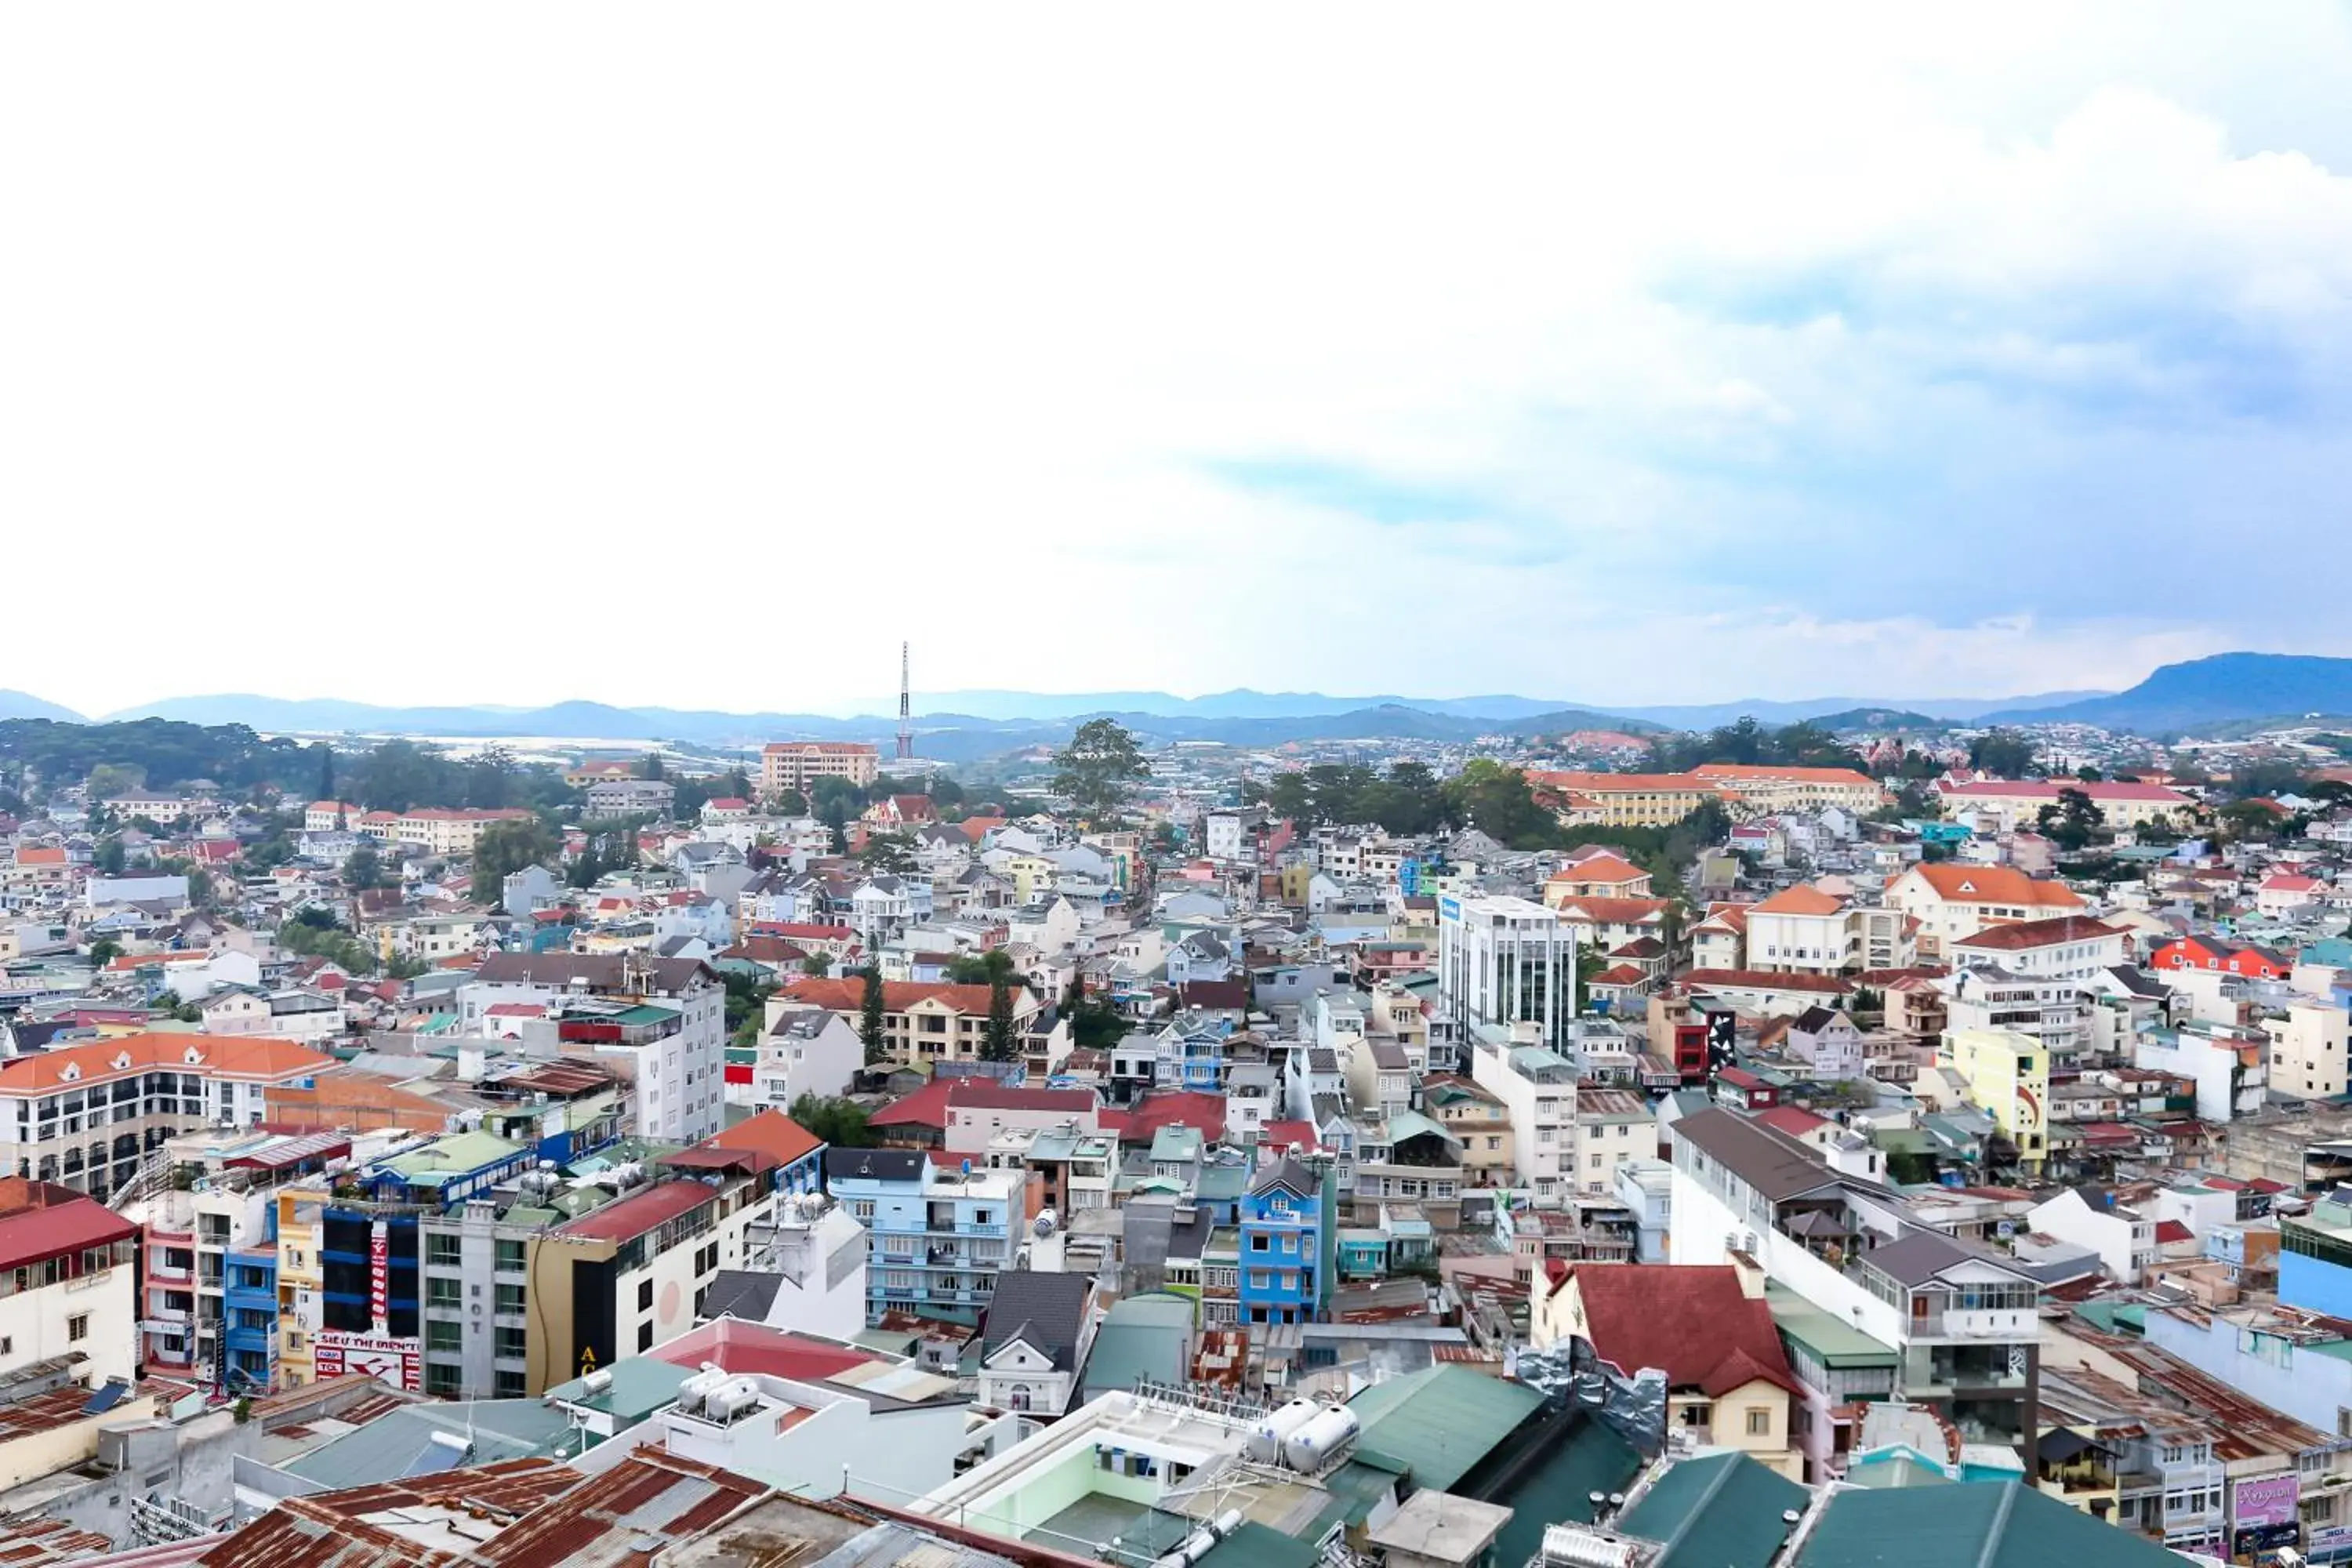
x=1153, y=1111
x=1284, y=1134
x=2049, y=789
x=247, y=1057
x=39, y=1220
x=897, y=996
x=626, y=1218
x=1692, y=1321
x=2172, y=1230
x=1801, y=900
x=927, y=1107
x=1793, y=1120
x=771, y=1132
x=1993, y=885
x=2051, y=933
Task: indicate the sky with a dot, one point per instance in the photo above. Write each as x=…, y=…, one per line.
x=698, y=355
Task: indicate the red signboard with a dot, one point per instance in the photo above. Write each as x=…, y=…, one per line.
x=379, y=1274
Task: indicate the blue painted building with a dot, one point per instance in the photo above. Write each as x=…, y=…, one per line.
x=249, y=1310
x=1288, y=1243
x=938, y=1238
x=2314, y=1260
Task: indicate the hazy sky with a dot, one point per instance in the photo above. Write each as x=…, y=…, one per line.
x=696, y=354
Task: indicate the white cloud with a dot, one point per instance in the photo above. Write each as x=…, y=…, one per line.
x=682, y=346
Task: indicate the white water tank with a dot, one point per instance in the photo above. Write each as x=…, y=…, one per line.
x=1314, y=1446
x=700, y=1386
x=1274, y=1429
x=732, y=1399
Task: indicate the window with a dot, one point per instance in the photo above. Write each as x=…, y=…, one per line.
x=644, y=1338
x=511, y=1341
x=1697, y=1415
x=443, y=1293
x=442, y=1251
x=510, y=1256
x=446, y=1338
x=1759, y=1423
x=1261, y=1243
x=441, y=1379
x=78, y=1326
x=511, y=1385
x=509, y=1299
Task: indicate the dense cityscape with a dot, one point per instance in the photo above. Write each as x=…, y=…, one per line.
x=1349, y=1148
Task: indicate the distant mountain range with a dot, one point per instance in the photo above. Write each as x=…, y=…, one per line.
x=2215, y=690
x=24, y=705
x=963, y=725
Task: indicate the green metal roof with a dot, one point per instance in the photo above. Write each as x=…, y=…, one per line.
x=1831, y=1341
x=1441, y=1421
x=452, y=1154
x=640, y=1385
x=1407, y=1124
x=1720, y=1512
x=1143, y=1336
x=2113, y=1317
x=1591, y=1459
x=1255, y=1545
x=2003, y=1524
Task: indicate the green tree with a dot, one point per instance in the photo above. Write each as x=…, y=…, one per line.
x=2072, y=822
x=104, y=951
x=326, y=785
x=1497, y=800
x=490, y=779
x=816, y=965
x=998, y=1043
x=107, y=780
x=2004, y=753
x=108, y=858
x=1095, y=1022
x=652, y=766
x=889, y=854
x=505, y=848
x=1097, y=771
x=789, y=802
x=840, y=1123
x=363, y=869
x=871, y=1013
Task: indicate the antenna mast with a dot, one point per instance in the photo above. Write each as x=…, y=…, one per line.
x=906, y=721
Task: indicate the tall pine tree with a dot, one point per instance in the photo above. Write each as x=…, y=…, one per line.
x=869, y=1022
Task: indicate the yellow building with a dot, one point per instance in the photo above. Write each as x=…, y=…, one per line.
x=797, y=764
x=1624, y=800
x=2008, y=1078
x=1769, y=788
x=1032, y=877
x=302, y=1284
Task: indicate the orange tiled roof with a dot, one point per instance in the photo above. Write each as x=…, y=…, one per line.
x=1801, y=900
x=1994, y=885
x=255, y=1057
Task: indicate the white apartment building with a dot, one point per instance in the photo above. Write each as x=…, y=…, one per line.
x=2309, y=1040
x=2069, y=947
x=67, y=1268
x=1504, y=962
x=680, y=1068
x=2053, y=1012
x=88, y=1116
